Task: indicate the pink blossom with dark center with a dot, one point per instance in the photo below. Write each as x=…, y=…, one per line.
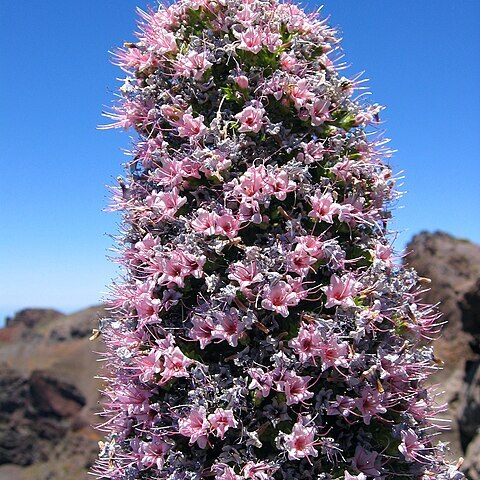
x=301, y=442
x=295, y=388
x=245, y=274
x=323, y=207
x=191, y=127
x=153, y=452
x=306, y=343
x=279, y=297
x=203, y=330
x=175, y=364
x=319, y=111
x=251, y=119
x=221, y=421
x=230, y=327
x=341, y=291
x=300, y=93
x=370, y=404
x=194, y=63
x=227, y=224
x=411, y=446
x=250, y=39
x=195, y=426
x=262, y=381
x=333, y=352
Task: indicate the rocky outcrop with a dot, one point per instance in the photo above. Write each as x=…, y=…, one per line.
x=48, y=395
x=453, y=265
x=31, y=317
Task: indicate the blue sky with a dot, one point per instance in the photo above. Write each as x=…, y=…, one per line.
x=421, y=58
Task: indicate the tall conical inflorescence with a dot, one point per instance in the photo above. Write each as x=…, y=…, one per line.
x=261, y=329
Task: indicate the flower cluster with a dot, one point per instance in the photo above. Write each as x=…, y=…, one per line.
x=261, y=328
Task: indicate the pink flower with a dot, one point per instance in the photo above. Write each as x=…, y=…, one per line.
x=245, y=274
x=323, y=207
x=194, y=63
x=221, y=421
x=306, y=343
x=251, y=119
x=275, y=86
x=295, y=388
x=205, y=222
x=301, y=442
x=169, y=174
x=411, y=446
x=299, y=261
x=146, y=305
x=288, y=61
x=272, y=40
x=175, y=364
x=191, y=127
x=153, y=452
x=311, y=244
x=252, y=184
x=333, y=353
x=280, y=184
x=230, y=327
x=300, y=94
x=203, y=330
x=227, y=225
x=150, y=365
x=242, y=82
x=165, y=204
x=319, y=111
x=195, y=426
x=312, y=152
x=279, y=297
x=257, y=471
x=261, y=380
x=134, y=400
x=164, y=41
x=350, y=211
x=175, y=266
x=134, y=58
x=370, y=404
x=366, y=462
x=341, y=291
x=384, y=253
x=250, y=39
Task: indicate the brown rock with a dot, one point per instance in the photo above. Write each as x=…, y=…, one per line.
x=470, y=307
x=471, y=465
x=48, y=395
x=30, y=317
x=52, y=397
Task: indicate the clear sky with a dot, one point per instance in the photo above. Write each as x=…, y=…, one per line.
x=421, y=58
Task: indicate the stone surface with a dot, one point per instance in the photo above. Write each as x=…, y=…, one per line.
x=48, y=395
x=471, y=465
